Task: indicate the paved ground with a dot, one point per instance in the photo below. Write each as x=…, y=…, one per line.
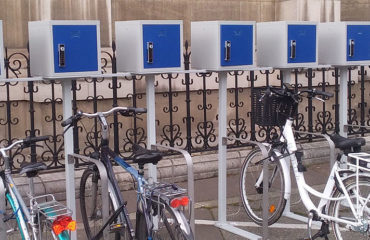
x=206, y=209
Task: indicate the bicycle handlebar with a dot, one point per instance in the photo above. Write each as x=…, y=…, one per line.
x=25, y=142
x=124, y=111
x=289, y=93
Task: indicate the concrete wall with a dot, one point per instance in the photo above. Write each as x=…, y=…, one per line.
x=16, y=13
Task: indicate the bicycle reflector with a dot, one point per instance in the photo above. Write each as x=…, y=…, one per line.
x=180, y=201
x=63, y=223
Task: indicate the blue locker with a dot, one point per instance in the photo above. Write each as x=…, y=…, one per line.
x=80, y=44
x=163, y=40
x=301, y=43
x=358, y=42
x=236, y=45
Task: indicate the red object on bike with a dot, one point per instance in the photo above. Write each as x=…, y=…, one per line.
x=63, y=223
x=177, y=202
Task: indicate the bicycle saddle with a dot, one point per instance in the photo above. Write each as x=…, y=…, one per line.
x=31, y=169
x=345, y=144
x=143, y=156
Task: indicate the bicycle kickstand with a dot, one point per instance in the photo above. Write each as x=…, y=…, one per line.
x=322, y=233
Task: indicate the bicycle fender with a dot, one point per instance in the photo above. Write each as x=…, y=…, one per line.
x=286, y=175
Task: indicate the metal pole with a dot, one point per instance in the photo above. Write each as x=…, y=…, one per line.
x=222, y=127
x=343, y=95
x=3, y=210
x=150, y=105
x=68, y=149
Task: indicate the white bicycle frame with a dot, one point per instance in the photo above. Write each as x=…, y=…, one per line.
x=304, y=189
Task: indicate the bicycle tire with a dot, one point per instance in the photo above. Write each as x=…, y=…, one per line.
x=340, y=210
x=90, y=193
x=252, y=197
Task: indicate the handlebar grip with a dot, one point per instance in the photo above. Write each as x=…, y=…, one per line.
x=67, y=121
x=326, y=94
x=140, y=110
x=29, y=140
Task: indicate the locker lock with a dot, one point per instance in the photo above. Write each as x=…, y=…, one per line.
x=293, y=46
x=62, y=55
x=227, y=50
x=351, y=47
x=149, y=47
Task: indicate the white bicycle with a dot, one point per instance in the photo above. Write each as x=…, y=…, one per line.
x=345, y=201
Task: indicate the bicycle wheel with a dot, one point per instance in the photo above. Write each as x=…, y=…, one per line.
x=252, y=195
x=91, y=206
x=341, y=209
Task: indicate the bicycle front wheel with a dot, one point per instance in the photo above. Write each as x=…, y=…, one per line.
x=173, y=225
x=341, y=209
x=91, y=207
x=251, y=188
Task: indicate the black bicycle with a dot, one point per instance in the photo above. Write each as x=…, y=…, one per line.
x=160, y=206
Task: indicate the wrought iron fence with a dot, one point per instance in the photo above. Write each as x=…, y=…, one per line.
x=187, y=115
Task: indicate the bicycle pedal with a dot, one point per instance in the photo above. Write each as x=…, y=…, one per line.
x=116, y=227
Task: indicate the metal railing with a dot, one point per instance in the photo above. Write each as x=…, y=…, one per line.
x=186, y=115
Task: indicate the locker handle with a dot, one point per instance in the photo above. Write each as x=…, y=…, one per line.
x=149, y=47
x=227, y=50
x=351, y=47
x=293, y=45
x=62, y=55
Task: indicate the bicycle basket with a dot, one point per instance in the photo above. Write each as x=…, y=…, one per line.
x=272, y=110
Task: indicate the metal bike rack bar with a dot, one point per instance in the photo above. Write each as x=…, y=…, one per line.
x=222, y=166
x=104, y=187
x=2, y=211
x=189, y=163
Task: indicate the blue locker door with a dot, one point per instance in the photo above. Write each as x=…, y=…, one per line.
x=80, y=44
x=240, y=40
x=359, y=37
x=163, y=40
x=301, y=43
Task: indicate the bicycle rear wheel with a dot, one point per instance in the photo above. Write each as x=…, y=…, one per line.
x=91, y=207
x=252, y=195
x=341, y=209
x=173, y=224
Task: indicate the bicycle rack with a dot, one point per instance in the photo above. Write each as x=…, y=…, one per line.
x=104, y=186
x=222, y=167
x=189, y=163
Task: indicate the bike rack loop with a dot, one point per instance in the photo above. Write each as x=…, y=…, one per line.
x=265, y=200
x=189, y=163
x=104, y=187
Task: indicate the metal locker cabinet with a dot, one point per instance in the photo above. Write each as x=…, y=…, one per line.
x=344, y=43
x=64, y=48
x=301, y=43
x=358, y=40
x=240, y=41
x=222, y=45
x=149, y=46
x=2, y=67
x=287, y=44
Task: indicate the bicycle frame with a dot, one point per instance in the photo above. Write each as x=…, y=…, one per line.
x=304, y=189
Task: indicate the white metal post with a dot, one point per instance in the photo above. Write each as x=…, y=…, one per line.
x=68, y=149
x=3, y=210
x=222, y=166
x=150, y=116
x=343, y=96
